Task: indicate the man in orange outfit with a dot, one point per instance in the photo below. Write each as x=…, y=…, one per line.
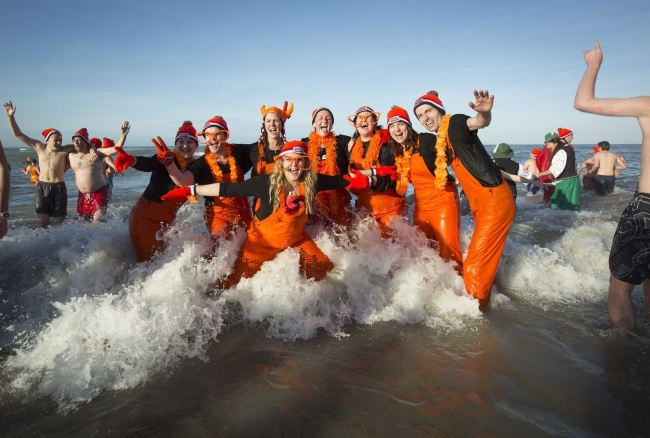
x=490, y=199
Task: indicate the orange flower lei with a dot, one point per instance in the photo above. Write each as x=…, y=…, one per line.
x=327, y=167
x=182, y=165
x=403, y=163
x=372, y=155
x=441, y=152
x=182, y=162
x=211, y=159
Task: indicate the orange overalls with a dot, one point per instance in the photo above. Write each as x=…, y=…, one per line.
x=146, y=220
x=267, y=237
x=436, y=212
x=383, y=205
x=493, y=210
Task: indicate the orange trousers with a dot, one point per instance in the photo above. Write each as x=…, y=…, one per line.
x=224, y=218
x=384, y=206
x=146, y=220
x=334, y=205
x=493, y=209
x=268, y=237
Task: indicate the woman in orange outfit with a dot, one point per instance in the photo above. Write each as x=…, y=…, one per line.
x=222, y=162
x=436, y=207
x=151, y=214
x=490, y=199
x=369, y=150
x=328, y=154
x=286, y=198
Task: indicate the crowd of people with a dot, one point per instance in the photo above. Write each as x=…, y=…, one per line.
x=317, y=178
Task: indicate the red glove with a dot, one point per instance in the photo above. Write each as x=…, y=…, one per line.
x=357, y=180
x=386, y=171
x=384, y=136
x=180, y=194
x=123, y=161
x=165, y=156
x=293, y=202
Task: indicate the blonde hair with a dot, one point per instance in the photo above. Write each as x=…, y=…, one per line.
x=278, y=180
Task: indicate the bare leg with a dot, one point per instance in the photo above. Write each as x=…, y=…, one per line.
x=59, y=220
x=44, y=219
x=619, y=304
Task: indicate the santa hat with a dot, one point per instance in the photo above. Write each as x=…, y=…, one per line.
x=430, y=98
x=216, y=122
x=564, y=132
x=534, y=152
x=96, y=142
x=49, y=131
x=82, y=134
x=397, y=114
x=294, y=147
x=108, y=143
x=187, y=131
x=284, y=113
x=596, y=149
x=316, y=111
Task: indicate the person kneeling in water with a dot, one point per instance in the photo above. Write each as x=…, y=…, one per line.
x=287, y=197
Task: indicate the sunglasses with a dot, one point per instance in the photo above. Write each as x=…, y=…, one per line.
x=208, y=137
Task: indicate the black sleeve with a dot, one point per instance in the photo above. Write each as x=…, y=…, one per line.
x=386, y=155
x=255, y=186
x=148, y=164
x=330, y=182
x=342, y=159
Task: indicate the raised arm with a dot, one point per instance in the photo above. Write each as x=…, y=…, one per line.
x=483, y=107
x=587, y=101
x=166, y=157
x=10, y=110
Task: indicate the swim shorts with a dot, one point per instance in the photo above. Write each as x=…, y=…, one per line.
x=89, y=203
x=629, y=258
x=51, y=199
x=604, y=185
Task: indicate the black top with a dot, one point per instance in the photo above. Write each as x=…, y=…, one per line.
x=202, y=173
x=471, y=152
x=570, y=168
x=160, y=181
x=510, y=166
x=259, y=186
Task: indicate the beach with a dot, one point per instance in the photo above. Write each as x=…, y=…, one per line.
x=388, y=344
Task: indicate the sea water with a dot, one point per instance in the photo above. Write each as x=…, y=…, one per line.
x=93, y=343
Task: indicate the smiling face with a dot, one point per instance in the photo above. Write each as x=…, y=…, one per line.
x=323, y=123
x=216, y=139
x=185, y=147
x=293, y=166
x=398, y=131
x=273, y=126
x=54, y=141
x=429, y=116
x=79, y=144
x=365, y=123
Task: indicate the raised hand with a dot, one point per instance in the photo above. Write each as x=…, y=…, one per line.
x=125, y=128
x=10, y=109
x=123, y=161
x=165, y=156
x=595, y=56
x=357, y=180
x=179, y=194
x=484, y=101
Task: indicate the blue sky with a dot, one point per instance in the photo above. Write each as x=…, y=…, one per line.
x=74, y=64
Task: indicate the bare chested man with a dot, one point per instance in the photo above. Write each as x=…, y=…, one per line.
x=603, y=164
x=89, y=177
x=51, y=193
x=629, y=259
